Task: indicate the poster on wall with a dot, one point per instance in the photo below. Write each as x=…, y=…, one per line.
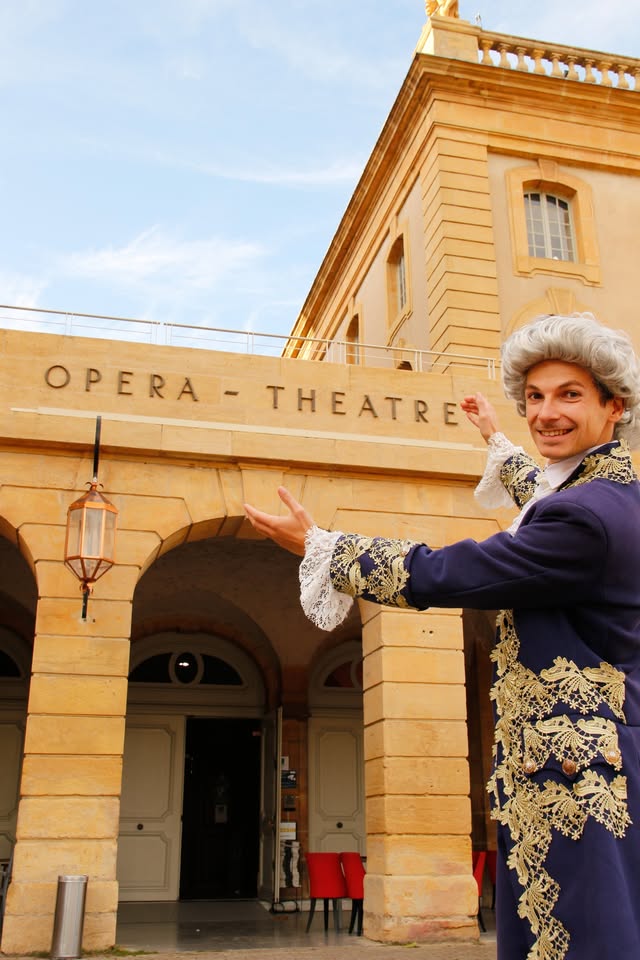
x=288, y=778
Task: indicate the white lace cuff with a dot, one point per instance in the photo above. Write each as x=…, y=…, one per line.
x=491, y=492
x=321, y=602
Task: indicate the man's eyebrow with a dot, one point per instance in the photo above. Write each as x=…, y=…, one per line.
x=560, y=386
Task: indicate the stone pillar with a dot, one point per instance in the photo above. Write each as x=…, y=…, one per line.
x=70, y=790
x=446, y=36
x=464, y=311
x=419, y=883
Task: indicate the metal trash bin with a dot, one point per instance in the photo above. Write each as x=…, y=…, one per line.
x=68, y=920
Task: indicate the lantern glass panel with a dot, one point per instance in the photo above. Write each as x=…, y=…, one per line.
x=74, y=532
x=93, y=530
x=108, y=550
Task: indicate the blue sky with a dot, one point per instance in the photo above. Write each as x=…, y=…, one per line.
x=189, y=160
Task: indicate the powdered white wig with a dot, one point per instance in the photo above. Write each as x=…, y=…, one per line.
x=607, y=354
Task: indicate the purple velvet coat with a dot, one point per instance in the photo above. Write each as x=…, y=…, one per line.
x=566, y=779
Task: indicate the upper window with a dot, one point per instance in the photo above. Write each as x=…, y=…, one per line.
x=398, y=288
x=553, y=223
x=549, y=229
x=397, y=276
x=353, y=340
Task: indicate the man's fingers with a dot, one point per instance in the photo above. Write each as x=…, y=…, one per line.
x=295, y=507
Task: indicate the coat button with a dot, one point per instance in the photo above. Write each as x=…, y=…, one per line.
x=569, y=767
x=529, y=766
x=612, y=755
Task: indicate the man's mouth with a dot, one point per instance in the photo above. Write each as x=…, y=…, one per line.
x=554, y=433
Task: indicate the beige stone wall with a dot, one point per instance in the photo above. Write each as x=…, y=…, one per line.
x=179, y=470
x=613, y=299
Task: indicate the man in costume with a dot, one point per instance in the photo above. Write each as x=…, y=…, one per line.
x=566, y=576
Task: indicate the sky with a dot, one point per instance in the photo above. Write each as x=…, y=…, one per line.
x=188, y=161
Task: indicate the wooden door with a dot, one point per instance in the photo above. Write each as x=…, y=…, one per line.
x=336, y=784
x=269, y=870
x=151, y=808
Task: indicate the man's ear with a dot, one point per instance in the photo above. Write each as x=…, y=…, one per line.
x=617, y=409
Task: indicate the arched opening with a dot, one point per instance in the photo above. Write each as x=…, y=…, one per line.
x=212, y=621
x=18, y=600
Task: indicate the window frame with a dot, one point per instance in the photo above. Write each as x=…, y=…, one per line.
x=398, y=281
x=547, y=178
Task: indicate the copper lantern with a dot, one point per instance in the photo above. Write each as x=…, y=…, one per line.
x=91, y=533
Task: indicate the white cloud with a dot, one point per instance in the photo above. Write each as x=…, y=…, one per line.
x=156, y=257
x=347, y=171
x=20, y=290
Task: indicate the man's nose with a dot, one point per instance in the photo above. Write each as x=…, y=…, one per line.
x=548, y=409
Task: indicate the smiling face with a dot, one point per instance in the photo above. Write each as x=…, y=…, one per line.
x=565, y=410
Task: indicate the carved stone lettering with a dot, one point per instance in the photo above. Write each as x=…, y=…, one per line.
x=368, y=407
x=188, y=389
x=57, y=376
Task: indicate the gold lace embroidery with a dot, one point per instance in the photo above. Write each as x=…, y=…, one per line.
x=387, y=577
x=614, y=464
x=516, y=476
x=518, y=473
x=531, y=810
x=584, y=741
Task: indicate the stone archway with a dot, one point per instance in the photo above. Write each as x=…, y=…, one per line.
x=18, y=600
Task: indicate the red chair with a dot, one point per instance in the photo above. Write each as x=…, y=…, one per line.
x=354, y=875
x=326, y=882
x=479, y=860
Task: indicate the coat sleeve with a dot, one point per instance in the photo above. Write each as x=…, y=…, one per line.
x=556, y=558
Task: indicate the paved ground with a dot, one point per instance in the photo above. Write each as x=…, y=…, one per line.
x=355, y=949
x=224, y=930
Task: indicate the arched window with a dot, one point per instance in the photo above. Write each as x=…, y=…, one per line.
x=336, y=680
x=175, y=668
x=397, y=278
x=549, y=226
x=553, y=223
x=186, y=668
x=398, y=268
x=353, y=340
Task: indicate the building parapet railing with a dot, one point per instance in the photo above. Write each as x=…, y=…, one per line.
x=100, y=326
x=556, y=60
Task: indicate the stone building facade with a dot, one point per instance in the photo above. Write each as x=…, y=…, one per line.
x=151, y=736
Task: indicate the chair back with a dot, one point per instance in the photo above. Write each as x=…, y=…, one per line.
x=354, y=874
x=326, y=879
x=479, y=859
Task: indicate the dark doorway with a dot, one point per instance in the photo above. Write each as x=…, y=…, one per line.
x=220, y=820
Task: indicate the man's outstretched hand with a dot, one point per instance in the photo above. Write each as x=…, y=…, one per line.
x=287, y=531
x=481, y=414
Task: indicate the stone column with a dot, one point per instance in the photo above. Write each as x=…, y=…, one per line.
x=419, y=883
x=464, y=311
x=69, y=808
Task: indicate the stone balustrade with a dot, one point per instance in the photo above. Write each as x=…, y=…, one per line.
x=566, y=63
